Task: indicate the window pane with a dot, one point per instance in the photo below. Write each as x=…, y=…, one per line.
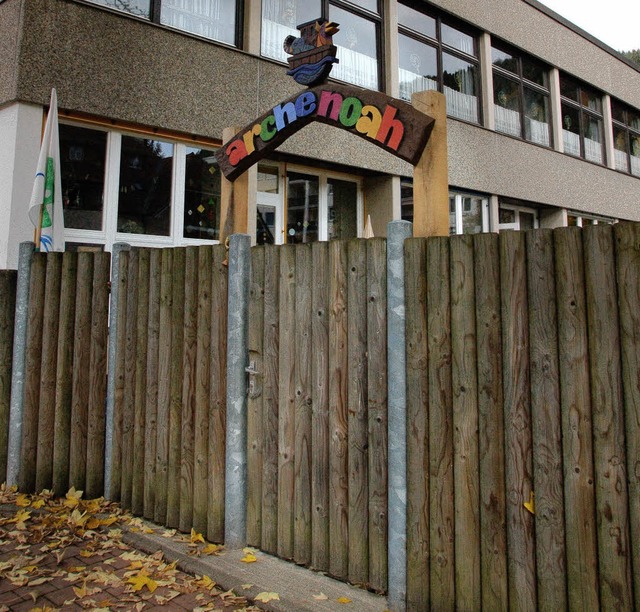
x=406, y=199
x=633, y=119
x=617, y=111
x=590, y=100
x=302, y=208
x=144, y=198
x=506, y=215
x=265, y=224
x=536, y=117
x=504, y=60
x=506, y=97
x=471, y=215
x=527, y=220
x=568, y=88
x=215, y=19
x=268, y=179
x=593, y=139
x=459, y=40
x=419, y=22
x=370, y=5
x=280, y=19
x=201, y=195
x=459, y=81
x=452, y=215
x=534, y=71
x=571, y=130
x=357, y=49
x=135, y=7
x=82, y=165
x=634, y=147
x=418, y=66
x=621, y=149
x=342, y=202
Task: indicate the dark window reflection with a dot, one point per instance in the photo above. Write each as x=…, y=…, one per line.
x=144, y=194
x=201, y=195
x=82, y=165
x=342, y=200
x=302, y=208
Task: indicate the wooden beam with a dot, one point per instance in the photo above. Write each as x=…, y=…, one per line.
x=431, y=174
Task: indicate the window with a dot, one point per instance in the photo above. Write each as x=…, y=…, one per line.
x=626, y=137
x=521, y=95
x=144, y=191
x=581, y=220
x=582, y=125
x=435, y=54
x=214, y=19
x=516, y=216
x=358, y=40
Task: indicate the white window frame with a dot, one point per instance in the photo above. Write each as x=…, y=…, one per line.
x=458, y=198
x=517, y=209
x=109, y=234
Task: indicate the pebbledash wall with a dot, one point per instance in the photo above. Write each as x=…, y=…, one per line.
x=129, y=75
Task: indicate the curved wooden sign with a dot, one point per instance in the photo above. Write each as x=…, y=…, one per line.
x=391, y=124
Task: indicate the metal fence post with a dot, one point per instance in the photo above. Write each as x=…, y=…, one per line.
x=397, y=233
x=16, y=407
x=235, y=524
x=114, y=305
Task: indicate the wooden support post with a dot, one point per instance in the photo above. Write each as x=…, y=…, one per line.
x=431, y=175
x=237, y=198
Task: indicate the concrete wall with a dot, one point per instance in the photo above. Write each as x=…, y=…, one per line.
x=10, y=14
x=20, y=130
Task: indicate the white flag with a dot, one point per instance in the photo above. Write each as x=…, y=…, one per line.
x=45, y=208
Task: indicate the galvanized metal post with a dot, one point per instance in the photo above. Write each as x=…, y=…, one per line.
x=114, y=305
x=16, y=406
x=397, y=233
x=235, y=524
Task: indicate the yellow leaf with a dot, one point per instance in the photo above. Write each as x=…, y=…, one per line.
x=38, y=503
x=344, y=600
x=265, y=597
x=22, y=500
x=249, y=558
x=196, y=537
x=320, y=597
x=80, y=591
x=530, y=505
x=211, y=549
x=142, y=580
x=205, y=582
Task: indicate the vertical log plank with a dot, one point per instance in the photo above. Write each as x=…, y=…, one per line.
x=128, y=403
x=338, y=411
x=627, y=236
x=493, y=535
x=218, y=402
x=286, y=414
x=178, y=302
x=48, y=365
x=358, y=419
x=270, y=392
x=8, y=284
x=608, y=420
x=120, y=369
x=377, y=410
x=81, y=374
x=151, y=386
x=441, y=511
x=303, y=406
x=254, y=402
x=517, y=420
x=320, y=402
x=575, y=399
x=418, y=544
x=546, y=421
x=203, y=392
x=188, y=387
x=139, y=412
x=164, y=387
x=27, y=476
x=98, y=372
x=464, y=385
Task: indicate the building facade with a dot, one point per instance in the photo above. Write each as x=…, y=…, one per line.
x=543, y=120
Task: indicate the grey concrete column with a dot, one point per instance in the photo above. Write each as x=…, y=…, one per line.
x=397, y=233
x=16, y=406
x=235, y=504
x=114, y=305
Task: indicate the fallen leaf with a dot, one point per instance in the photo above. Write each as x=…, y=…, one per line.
x=22, y=500
x=38, y=503
x=265, y=597
x=72, y=499
x=246, y=586
x=530, y=505
x=196, y=537
x=142, y=580
x=320, y=597
x=249, y=558
x=344, y=600
x=211, y=549
x=205, y=582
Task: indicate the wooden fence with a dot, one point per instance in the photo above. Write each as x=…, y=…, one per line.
x=523, y=406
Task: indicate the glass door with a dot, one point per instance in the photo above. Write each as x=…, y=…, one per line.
x=269, y=216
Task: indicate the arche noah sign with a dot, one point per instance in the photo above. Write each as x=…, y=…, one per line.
x=391, y=124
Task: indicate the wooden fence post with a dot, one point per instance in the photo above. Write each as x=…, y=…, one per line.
x=14, y=444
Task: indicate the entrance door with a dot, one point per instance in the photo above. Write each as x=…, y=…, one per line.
x=268, y=230
x=269, y=217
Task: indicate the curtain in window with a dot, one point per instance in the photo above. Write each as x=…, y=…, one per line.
x=356, y=68
x=508, y=121
x=213, y=19
x=571, y=143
